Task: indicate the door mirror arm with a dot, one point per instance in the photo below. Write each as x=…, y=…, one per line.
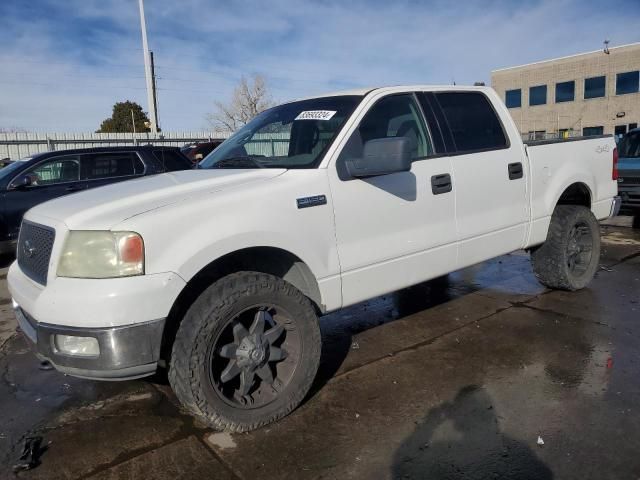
x=22, y=182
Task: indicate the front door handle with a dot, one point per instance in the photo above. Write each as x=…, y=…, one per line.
x=441, y=184
x=515, y=171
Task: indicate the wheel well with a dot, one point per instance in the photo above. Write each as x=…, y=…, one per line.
x=576, y=194
x=274, y=261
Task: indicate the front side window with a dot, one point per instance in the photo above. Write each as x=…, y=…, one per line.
x=594, y=87
x=472, y=121
x=110, y=165
x=293, y=135
x=565, y=91
x=393, y=116
x=628, y=82
x=538, y=95
x=513, y=98
x=56, y=170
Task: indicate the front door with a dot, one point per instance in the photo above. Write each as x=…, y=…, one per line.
x=51, y=178
x=393, y=230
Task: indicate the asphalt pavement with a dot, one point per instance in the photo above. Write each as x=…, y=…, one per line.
x=484, y=374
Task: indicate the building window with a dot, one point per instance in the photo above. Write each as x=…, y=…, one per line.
x=627, y=82
x=513, y=98
x=595, y=87
x=538, y=95
x=632, y=126
x=589, y=131
x=537, y=135
x=620, y=130
x=565, y=91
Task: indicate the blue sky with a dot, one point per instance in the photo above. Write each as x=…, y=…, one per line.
x=64, y=63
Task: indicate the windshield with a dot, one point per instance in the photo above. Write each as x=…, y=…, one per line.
x=293, y=135
x=629, y=146
x=10, y=169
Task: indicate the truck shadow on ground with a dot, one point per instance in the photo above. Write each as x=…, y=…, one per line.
x=462, y=440
x=339, y=328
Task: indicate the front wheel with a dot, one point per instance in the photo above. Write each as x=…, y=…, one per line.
x=246, y=352
x=636, y=220
x=569, y=257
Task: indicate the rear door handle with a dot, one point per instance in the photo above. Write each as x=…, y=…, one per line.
x=441, y=184
x=515, y=171
x=73, y=188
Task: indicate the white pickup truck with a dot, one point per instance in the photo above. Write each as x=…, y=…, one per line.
x=220, y=274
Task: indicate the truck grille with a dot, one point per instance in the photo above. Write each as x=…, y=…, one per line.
x=34, y=250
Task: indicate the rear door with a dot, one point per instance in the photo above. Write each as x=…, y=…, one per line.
x=52, y=178
x=109, y=167
x=489, y=177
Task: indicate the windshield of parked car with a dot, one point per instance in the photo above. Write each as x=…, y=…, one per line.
x=293, y=135
x=629, y=146
x=10, y=169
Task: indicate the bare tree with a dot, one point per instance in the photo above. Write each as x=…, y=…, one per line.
x=249, y=98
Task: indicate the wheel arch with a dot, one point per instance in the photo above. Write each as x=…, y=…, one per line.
x=577, y=193
x=271, y=260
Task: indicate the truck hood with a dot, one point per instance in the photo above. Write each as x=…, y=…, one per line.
x=104, y=207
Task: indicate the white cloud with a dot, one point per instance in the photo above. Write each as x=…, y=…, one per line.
x=303, y=47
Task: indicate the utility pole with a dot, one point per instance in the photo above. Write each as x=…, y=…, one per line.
x=153, y=84
x=147, y=71
x=133, y=123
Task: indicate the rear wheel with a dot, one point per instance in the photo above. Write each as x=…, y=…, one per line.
x=569, y=258
x=246, y=352
x=636, y=220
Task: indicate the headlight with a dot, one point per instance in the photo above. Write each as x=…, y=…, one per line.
x=98, y=254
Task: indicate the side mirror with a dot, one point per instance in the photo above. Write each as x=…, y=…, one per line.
x=24, y=181
x=382, y=156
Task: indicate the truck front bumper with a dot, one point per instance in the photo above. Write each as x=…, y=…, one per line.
x=125, y=352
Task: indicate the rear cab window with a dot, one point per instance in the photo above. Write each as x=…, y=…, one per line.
x=167, y=160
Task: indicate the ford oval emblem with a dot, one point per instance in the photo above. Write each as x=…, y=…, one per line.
x=28, y=249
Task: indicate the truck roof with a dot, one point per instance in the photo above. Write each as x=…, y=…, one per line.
x=365, y=90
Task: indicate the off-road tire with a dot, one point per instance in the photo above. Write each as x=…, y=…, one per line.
x=203, y=322
x=550, y=260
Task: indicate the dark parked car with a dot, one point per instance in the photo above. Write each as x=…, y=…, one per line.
x=26, y=183
x=197, y=151
x=629, y=174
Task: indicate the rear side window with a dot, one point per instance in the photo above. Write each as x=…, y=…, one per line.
x=170, y=161
x=111, y=165
x=472, y=121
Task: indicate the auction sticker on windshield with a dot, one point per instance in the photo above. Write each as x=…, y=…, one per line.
x=316, y=115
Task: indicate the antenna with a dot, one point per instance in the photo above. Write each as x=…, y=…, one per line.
x=606, y=46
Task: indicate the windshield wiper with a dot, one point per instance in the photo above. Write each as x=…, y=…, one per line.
x=237, y=162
